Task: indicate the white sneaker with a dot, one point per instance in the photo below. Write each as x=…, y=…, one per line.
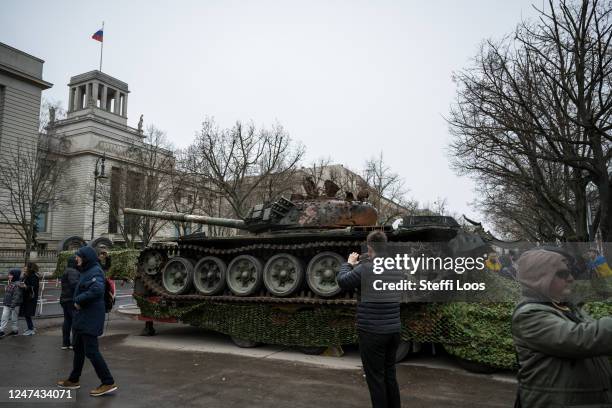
x=29, y=333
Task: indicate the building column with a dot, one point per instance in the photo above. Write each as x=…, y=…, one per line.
x=95, y=94
x=103, y=100
x=86, y=99
x=125, y=106
x=71, y=100
x=77, y=98
x=117, y=102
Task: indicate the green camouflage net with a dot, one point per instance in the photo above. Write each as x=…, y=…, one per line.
x=464, y=329
x=265, y=323
x=476, y=332
x=123, y=263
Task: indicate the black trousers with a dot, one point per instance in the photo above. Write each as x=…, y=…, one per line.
x=87, y=346
x=378, y=358
x=69, y=310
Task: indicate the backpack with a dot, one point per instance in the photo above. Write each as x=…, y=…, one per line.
x=109, y=295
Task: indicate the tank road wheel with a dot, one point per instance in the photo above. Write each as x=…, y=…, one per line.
x=283, y=274
x=244, y=275
x=243, y=343
x=209, y=275
x=312, y=350
x=406, y=348
x=321, y=273
x=151, y=261
x=178, y=275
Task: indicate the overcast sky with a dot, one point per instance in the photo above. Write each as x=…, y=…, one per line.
x=346, y=78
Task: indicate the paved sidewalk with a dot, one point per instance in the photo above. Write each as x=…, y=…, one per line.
x=187, y=367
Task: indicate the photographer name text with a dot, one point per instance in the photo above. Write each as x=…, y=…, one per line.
x=425, y=285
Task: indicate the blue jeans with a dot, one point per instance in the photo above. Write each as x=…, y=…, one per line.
x=87, y=346
x=67, y=326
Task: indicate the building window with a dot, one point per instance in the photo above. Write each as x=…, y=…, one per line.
x=133, y=199
x=115, y=191
x=42, y=213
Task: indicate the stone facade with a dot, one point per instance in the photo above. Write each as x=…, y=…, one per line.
x=21, y=85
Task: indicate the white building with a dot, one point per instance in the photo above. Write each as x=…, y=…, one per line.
x=96, y=127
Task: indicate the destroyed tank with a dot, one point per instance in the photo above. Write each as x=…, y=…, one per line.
x=274, y=281
x=291, y=251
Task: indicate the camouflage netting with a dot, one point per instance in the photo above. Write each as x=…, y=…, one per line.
x=474, y=332
x=477, y=332
x=123, y=263
x=265, y=323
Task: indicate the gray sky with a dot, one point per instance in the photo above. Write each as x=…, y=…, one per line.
x=347, y=78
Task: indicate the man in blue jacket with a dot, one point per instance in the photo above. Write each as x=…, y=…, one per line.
x=88, y=323
x=378, y=328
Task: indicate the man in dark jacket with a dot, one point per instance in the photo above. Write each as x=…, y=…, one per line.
x=562, y=351
x=378, y=328
x=89, y=323
x=70, y=280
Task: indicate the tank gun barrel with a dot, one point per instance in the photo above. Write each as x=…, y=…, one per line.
x=180, y=217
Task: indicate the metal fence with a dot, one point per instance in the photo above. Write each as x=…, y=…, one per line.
x=49, y=291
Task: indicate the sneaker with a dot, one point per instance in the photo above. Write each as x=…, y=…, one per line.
x=71, y=348
x=64, y=347
x=13, y=333
x=68, y=384
x=28, y=333
x=103, y=389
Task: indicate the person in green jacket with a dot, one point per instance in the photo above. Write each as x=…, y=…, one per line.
x=562, y=351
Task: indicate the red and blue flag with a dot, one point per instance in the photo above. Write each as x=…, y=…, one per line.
x=99, y=35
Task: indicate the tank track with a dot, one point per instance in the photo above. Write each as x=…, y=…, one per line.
x=153, y=284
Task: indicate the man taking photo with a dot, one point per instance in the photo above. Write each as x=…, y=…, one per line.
x=378, y=328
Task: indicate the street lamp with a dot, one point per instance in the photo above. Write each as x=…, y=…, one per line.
x=98, y=174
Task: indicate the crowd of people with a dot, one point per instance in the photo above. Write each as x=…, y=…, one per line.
x=594, y=265
x=84, y=293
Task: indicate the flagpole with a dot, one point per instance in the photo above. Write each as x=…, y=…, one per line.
x=102, y=46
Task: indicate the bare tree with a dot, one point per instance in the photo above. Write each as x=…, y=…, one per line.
x=192, y=195
x=244, y=164
x=388, y=193
x=30, y=179
x=143, y=180
x=438, y=207
x=533, y=118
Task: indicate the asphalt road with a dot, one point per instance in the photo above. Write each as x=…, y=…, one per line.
x=162, y=372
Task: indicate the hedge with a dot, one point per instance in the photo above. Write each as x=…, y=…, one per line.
x=123, y=265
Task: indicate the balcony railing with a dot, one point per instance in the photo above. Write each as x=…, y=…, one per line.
x=10, y=254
